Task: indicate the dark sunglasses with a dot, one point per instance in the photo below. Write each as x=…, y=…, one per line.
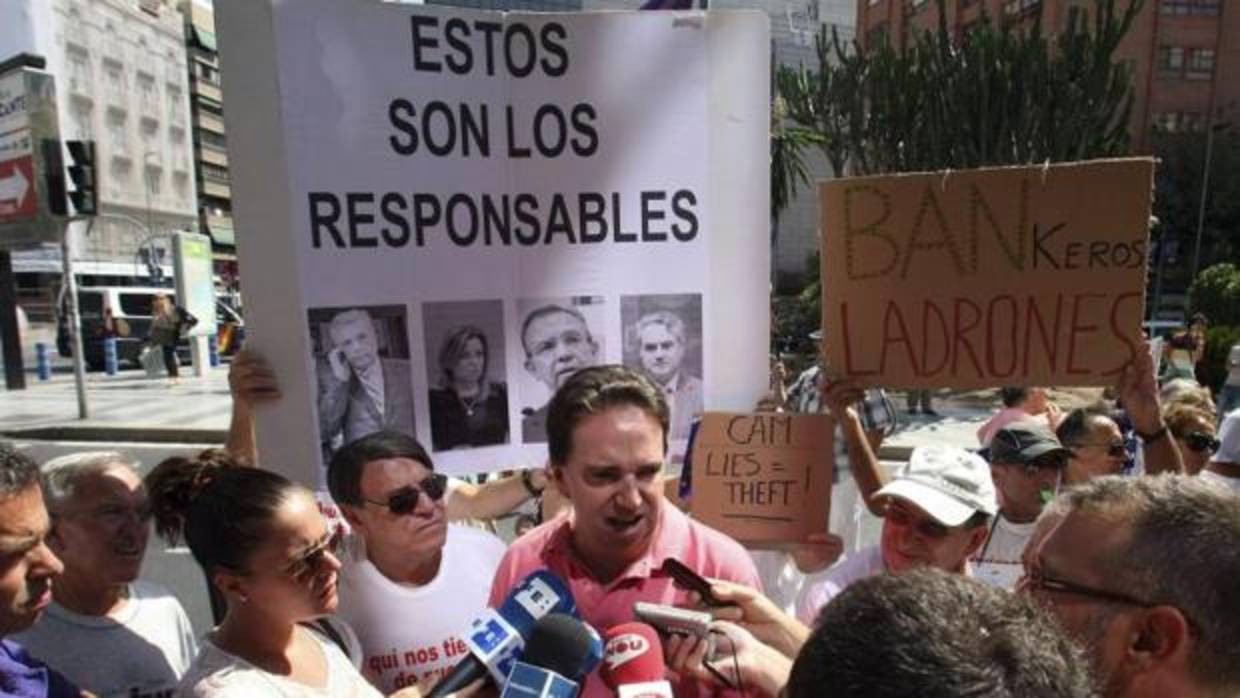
x=405, y=499
x=1048, y=461
x=1200, y=441
x=303, y=569
x=926, y=528
x=1115, y=449
x=1040, y=582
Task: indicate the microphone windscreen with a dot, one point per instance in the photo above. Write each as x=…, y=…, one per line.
x=562, y=644
x=540, y=593
x=632, y=654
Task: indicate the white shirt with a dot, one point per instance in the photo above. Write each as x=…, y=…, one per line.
x=372, y=382
x=410, y=633
x=997, y=562
x=1233, y=361
x=220, y=674
x=866, y=562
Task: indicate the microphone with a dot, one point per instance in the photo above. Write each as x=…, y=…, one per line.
x=633, y=662
x=497, y=636
x=561, y=651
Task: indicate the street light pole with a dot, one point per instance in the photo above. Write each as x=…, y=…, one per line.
x=1205, y=191
x=150, y=227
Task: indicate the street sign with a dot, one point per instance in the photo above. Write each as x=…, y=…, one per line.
x=27, y=117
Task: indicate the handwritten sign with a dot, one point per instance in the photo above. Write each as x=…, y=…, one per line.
x=763, y=478
x=1004, y=276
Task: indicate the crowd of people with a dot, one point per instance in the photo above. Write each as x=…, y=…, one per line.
x=1083, y=552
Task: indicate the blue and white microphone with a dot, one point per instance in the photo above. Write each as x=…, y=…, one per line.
x=497, y=636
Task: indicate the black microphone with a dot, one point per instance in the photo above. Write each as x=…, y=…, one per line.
x=561, y=651
x=497, y=637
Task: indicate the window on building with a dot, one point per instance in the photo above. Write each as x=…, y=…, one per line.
x=913, y=6
x=1171, y=60
x=877, y=35
x=117, y=133
x=1200, y=64
x=146, y=89
x=154, y=180
x=1020, y=7
x=82, y=122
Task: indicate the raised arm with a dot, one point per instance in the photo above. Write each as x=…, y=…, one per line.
x=839, y=397
x=1138, y=390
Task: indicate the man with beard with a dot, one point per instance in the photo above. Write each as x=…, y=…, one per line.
x=557, y=344
x=936, y=514
x=607, y=429
x=1143, y=572
x=411, y=583
x=27, y=567
x=107, y=631
x=661, y=347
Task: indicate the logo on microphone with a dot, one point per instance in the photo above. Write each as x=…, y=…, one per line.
x=537, y=598
x=624, y=648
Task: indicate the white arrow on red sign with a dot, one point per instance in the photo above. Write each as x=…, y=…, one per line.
x=14, y=187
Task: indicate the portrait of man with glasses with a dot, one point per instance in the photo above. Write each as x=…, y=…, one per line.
x=411, y=582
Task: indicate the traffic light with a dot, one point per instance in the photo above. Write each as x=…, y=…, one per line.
x=82, y=172
x=54, y=177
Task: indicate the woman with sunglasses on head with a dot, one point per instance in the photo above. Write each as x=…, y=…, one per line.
x=1194, y=432
x=266, y=548
x=1096, y=442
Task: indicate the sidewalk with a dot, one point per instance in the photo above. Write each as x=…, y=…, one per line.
x=125, y=407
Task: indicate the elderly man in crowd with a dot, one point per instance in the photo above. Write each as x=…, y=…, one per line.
x=937, y=514
x=607, y=431
x=108, y=632
x=1143, y=572
x=27, y=568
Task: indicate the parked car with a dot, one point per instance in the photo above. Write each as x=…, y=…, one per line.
x=130, y=308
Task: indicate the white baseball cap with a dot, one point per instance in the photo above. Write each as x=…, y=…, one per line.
x=948, y=483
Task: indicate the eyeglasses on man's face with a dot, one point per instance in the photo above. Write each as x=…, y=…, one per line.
x=899, y=515
x=405, y=499
x=1115, y=449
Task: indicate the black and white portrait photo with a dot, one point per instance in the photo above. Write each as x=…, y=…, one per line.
x=361, y=356
x=559, y=337
x=663, y=338
x=466, y=377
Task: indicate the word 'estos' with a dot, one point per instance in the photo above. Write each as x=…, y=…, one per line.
x=466, y=44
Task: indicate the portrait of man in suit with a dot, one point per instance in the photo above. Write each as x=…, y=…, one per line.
x=360, y=391
x=661, y=342
x=557, y=343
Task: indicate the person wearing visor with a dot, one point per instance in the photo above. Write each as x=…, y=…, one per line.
x=937, y=512
x=1027, y=464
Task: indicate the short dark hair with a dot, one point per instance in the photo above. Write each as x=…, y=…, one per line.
x=1013, y=396
x=344, y=472
x=17, y=471
x=222, y=507
x=1074, y=429
x=893, y=636
x=593, y=390
x=1184, y=551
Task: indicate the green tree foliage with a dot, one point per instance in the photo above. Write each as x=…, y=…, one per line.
x=1216, y=294
x=1177, y=197
x=1004, y=94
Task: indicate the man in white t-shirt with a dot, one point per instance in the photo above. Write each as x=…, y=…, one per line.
x=1027, y=463
x=106, y=631
x=937, y=512
x=411, y=583
x=1224, y=465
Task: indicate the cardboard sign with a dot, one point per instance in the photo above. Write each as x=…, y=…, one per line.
x=468, y=206
x=1004, y=276
x=763, y=478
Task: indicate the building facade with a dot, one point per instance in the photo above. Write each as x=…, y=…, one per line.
x=209, y=137
x=1185, y=54
x=121, y=77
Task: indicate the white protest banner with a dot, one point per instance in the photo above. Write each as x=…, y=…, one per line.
x=442, y=213
x=978, y=278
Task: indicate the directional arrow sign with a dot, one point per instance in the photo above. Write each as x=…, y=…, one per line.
x=17, y=198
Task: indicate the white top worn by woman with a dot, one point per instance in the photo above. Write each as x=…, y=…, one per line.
x=219, y=674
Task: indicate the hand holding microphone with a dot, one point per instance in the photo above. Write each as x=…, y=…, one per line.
x=735, y=653
x=560, y=652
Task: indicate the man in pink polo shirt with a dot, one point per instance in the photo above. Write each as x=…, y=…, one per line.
x=607, y=440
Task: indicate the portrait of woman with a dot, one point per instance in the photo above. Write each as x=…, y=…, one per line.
x=468, y=408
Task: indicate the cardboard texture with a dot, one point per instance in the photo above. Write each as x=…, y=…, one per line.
x=765, y=478
x=1001, y=276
